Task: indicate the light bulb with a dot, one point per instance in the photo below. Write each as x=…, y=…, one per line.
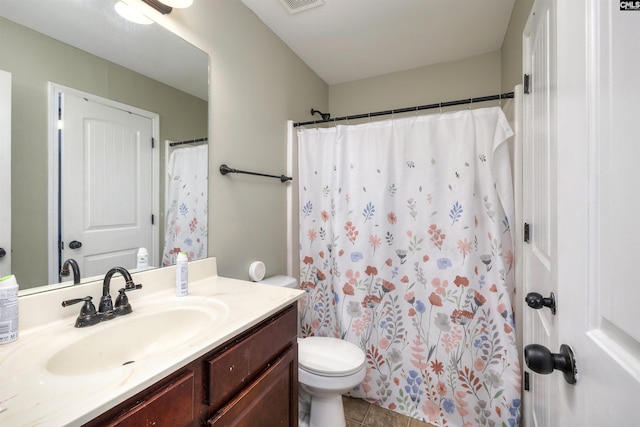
x=178, y=4
x=130, y=14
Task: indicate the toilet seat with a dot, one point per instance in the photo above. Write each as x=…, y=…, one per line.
x=330, y=357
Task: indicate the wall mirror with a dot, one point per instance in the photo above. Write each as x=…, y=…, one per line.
x=86, y=46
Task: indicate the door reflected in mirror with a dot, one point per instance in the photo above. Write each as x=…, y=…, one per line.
x=147, y=68
x=107, y=180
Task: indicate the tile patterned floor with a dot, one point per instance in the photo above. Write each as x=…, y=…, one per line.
x=359, y=413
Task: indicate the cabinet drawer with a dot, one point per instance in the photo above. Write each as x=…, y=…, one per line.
x=170, y=406
x=270, y=401
x=243, y=359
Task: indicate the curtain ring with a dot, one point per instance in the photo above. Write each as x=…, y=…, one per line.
x=440, y=105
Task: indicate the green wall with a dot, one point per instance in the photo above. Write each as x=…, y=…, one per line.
x=257, y=84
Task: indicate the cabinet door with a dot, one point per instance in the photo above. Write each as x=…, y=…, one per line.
x=270, y=401
x=240, y=362
x=170, y=406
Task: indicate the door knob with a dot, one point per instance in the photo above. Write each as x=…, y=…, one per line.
x=539, y=359
x=2, y=252
x=74, y=244
x=537, y=301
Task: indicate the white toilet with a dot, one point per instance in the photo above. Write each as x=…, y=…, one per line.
x=327, y=368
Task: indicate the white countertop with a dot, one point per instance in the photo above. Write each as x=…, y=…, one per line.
x=30, y=395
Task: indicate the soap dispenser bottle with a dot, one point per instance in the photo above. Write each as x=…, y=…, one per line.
x=142, y=258
x=8, y=309
x=182, y=275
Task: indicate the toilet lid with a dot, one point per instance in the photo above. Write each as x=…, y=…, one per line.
x=329, y=356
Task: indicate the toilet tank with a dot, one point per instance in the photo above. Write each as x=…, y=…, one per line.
x=283, y=281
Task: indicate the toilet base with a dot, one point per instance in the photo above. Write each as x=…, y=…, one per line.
x=327, y=411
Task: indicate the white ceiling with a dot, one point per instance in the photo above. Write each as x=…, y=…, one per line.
x=341, y=40
x=345, y=40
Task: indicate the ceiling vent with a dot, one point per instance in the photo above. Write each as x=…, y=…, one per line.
x=297, y=6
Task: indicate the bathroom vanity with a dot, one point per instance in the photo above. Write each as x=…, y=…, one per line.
x=234, y=362
x=251, y=377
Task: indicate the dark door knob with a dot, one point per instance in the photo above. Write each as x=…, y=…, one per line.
x=539, y=359
x=537, y=301
x=74, y=244
x=2, y=252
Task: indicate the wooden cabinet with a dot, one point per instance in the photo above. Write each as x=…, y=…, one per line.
x=250, y=380
x=267, y=401
x=170, y=405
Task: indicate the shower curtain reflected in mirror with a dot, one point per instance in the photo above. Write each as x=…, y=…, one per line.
x=187, y=204
x=406, y=251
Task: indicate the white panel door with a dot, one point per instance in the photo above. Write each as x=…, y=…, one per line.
x=5, y=174
x=597, y=202
x=106, y=183
x=600, y=200
x=539, y=207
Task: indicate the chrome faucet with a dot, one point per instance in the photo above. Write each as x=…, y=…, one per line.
x=106, y=311
x=74, y=266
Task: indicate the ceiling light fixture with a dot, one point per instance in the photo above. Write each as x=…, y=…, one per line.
x=130, y=14
x=162, y=7
x=178, y=4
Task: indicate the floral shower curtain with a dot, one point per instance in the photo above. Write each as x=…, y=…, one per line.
x=187, y=204
x=406, y=251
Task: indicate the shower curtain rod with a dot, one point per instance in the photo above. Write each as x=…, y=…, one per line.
x=410, y=109
x=190, y=141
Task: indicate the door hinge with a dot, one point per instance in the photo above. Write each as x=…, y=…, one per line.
x=153, y=143
x=153, y=219
x=526, y=233
x=526, y=381
x=527, y=83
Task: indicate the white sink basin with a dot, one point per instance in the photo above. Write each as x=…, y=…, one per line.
x=127, y=340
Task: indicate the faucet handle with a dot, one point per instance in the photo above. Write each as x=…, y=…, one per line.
x=88, y=315
x=122, y=303
x=76, y=300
